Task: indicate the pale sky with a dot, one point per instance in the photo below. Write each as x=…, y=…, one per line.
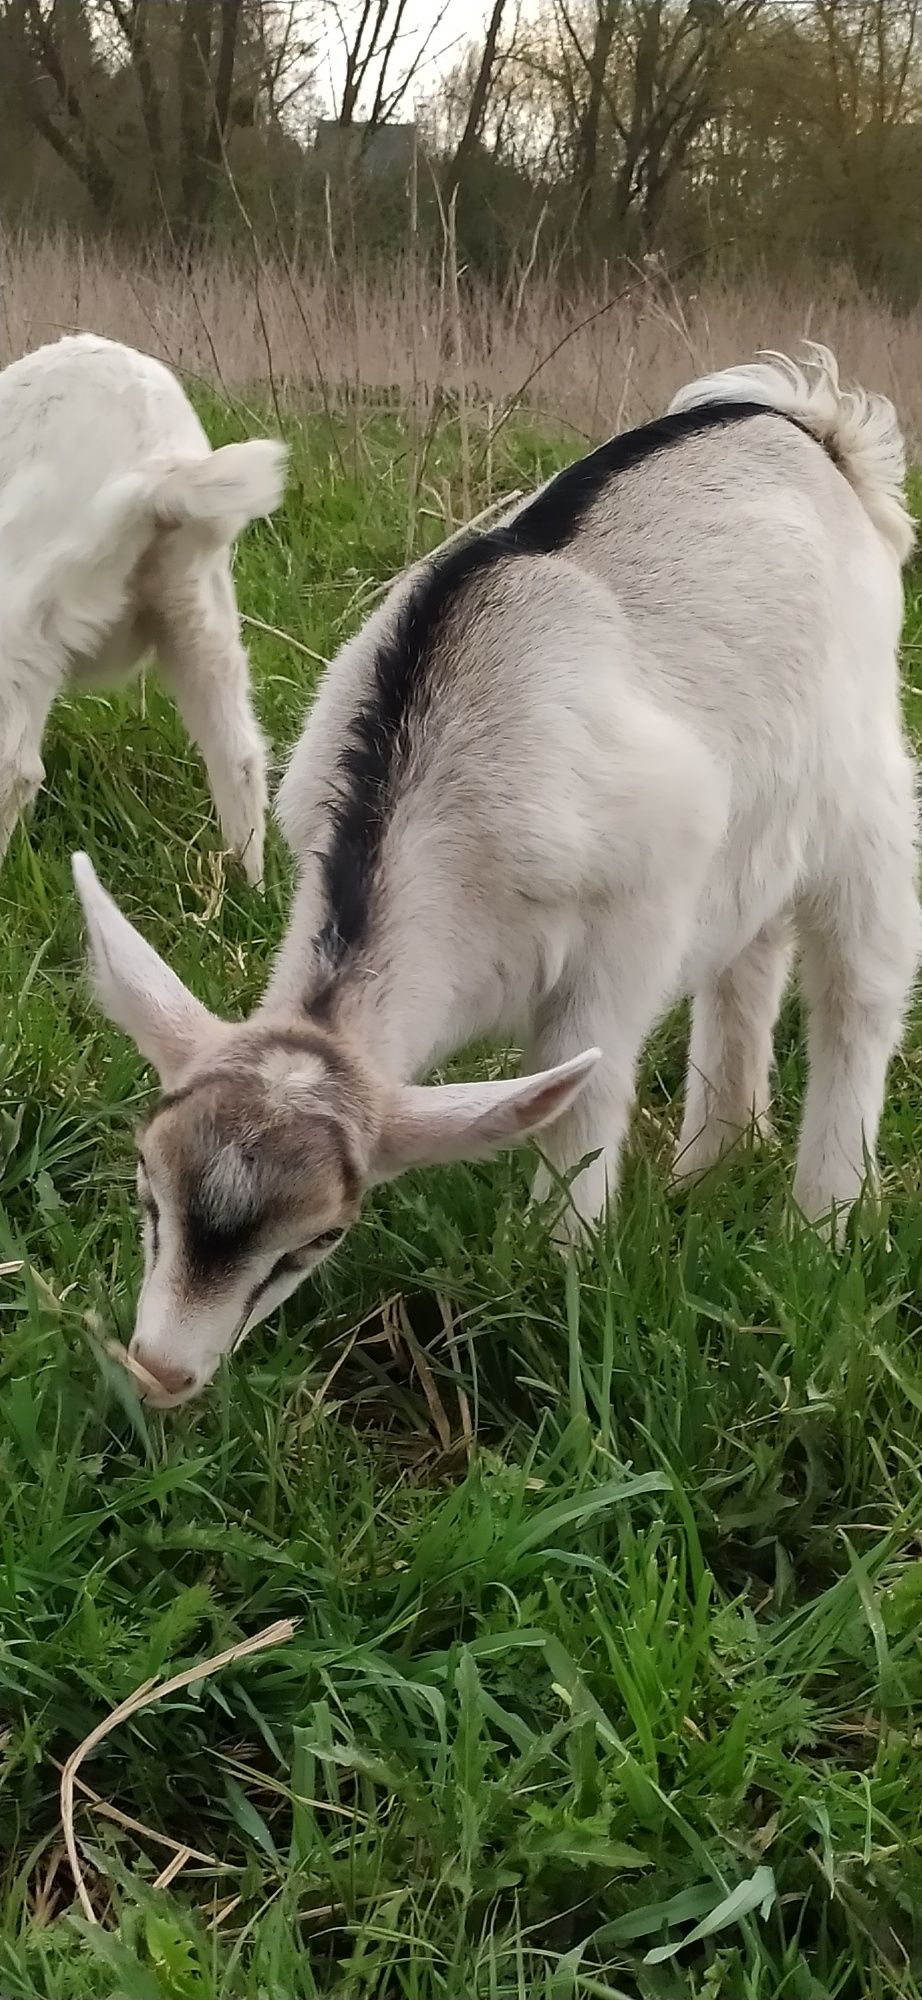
x=443, y=25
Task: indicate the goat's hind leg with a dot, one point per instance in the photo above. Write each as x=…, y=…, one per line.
x=728, y=1085
x=22, y=772
x=860, y=937
x=192, y=622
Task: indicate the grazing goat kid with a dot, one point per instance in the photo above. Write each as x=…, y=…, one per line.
x=116, y=521
x=617, y=749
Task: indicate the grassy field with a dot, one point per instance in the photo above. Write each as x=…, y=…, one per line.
x=606, y=1679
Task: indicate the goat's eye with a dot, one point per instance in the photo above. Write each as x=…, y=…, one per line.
x=293, y=1261
x=152, y=1213
x=283, y=1267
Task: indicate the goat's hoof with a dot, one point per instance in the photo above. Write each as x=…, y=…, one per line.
x=712, y=1148
x=252, y=862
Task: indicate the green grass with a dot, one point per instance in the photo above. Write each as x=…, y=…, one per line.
x=642, y=1672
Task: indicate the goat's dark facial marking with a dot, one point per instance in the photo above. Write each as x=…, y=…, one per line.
x=379, y=738
x=216, y=1243
x=294, y=1264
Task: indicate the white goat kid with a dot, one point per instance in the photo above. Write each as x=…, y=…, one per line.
x=116, y=520
x=614, y=751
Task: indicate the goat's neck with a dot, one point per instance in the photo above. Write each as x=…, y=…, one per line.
x=400, y=1014
x=405, y=1001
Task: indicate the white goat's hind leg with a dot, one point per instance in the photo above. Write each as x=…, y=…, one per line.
x=860, y=948
x=193, y=626
x=728, y=1085
x=22, y=726
x=20, y=780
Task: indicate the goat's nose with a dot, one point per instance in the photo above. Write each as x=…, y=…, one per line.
x=169, y=1376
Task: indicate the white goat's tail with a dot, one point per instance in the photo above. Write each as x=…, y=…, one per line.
x=224, y=491
x=83, y=583
x=859, y=430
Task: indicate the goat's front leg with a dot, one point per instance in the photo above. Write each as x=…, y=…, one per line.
x=612, y=998
x=593, y=1131
x=661, y=829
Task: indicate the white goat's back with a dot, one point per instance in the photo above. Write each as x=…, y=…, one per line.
x=859, y=429
x=90, y=409
x=82, y=412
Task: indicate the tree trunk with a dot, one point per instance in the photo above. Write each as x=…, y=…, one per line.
x=38, y=57
x=194, y=94
x=355, y=69
x=473, y=124
x=588, y=145
x=132, y=18
x=224, y=83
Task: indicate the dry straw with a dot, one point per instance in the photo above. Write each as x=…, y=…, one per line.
x=145, y=1380
x=144, y=1697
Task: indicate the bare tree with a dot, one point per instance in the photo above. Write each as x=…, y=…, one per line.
x=372, y=37
x=51, y=95
x=283, y=31
x=480, y=96
x=132, y=18
x=361, y=41
x=188, y=54
x=208, y=39
x=674, y=80
x=871, y=54
x=592, y=54
x=638, y=79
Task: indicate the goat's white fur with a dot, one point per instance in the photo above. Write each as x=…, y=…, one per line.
x=859, y=429
x=116, y=521
x=668, y=755
x=646, y=764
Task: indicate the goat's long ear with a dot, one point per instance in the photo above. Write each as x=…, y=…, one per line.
x=136, y=989
x=471, y=1121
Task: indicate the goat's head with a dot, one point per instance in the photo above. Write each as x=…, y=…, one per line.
x=255, y=1161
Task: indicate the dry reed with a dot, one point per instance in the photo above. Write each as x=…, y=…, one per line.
x=416, y=337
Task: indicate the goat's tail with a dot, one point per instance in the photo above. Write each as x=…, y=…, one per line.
x=223, y=491
x=858, y=429
x=82, y=585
